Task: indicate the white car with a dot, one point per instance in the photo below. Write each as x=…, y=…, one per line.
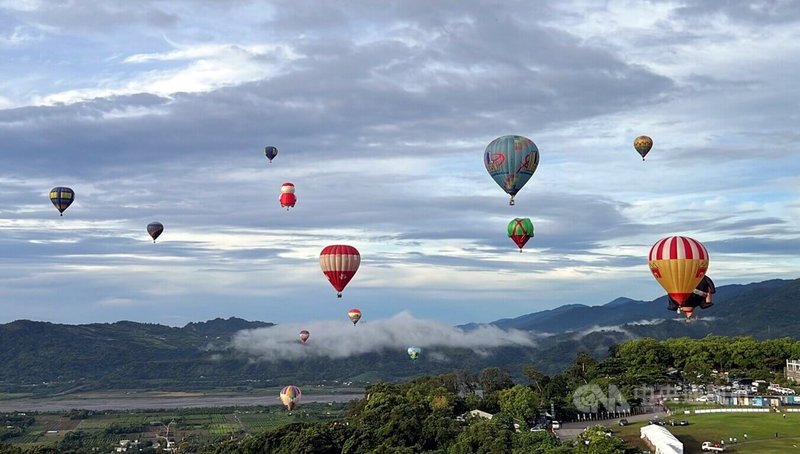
x=702, y=399
x=708, y=446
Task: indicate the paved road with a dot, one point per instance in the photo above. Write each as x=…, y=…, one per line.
x=154, y=403
x=571, y=430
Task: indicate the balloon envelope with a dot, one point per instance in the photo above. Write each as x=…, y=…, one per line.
x=339, y=263
x=62, y=197
x=155, y=229
x=678, y=263
x=270, y=152
x=414, y=352
x=288, y=199
x=354, y=315
x=520, y=230
x=304, y=335
x=290, y=396
x=643, y=144
x=511, y=161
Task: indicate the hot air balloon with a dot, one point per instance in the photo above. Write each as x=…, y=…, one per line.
x=679, y=263
x=62, y=198
x=270, y=153
x=414, y=352
x=520, y=230
x=304, y=334
x=288, y=199
x=339, y=263
x=354, y=315
x=511, y=161
x=643, y=144
x=290, y=396
x=155, y=229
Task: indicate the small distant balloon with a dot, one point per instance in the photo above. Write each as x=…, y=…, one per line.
x=62, y=197
x=643, y=144
x=288, y=199
x=290, y=396
x=511, y=161
x=520, y=230
x=414, y=352
x=270, y=152
x=155, y=229
x=304, y=335
x=354, y=315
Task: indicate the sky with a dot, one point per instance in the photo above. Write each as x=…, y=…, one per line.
x=381, y=111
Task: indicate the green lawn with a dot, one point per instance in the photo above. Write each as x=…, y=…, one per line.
x=760, y=428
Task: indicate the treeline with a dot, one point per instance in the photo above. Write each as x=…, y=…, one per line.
x=425, y=415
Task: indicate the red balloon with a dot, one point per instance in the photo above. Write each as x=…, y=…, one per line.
x=339, y=263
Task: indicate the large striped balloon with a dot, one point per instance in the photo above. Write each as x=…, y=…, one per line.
x=678, y=263
x=339, y=262
x=511, y=161
x=290, y=396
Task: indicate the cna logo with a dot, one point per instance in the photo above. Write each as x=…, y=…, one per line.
x=589, y=398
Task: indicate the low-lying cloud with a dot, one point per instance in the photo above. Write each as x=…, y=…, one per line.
x=340, y=339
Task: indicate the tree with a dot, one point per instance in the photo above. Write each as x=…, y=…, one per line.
x=541, y=442
x=519, y=402
x=483, y=436
x=494, y=379
x=598, y=440
x=537, y=379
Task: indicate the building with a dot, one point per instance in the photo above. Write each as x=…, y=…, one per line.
x=793, y=369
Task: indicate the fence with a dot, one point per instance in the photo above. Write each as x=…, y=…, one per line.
x=733, y=410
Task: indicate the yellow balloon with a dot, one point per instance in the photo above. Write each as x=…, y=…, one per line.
x=678, y=263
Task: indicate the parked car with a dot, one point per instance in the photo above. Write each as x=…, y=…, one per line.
x=708, y=446
x=556, y=425
x=623, y=422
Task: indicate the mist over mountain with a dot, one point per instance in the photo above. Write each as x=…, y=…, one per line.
x=44, y=358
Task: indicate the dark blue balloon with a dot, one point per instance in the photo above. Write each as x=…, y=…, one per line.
x=270, y=153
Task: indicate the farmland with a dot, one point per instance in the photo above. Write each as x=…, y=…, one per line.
x=87, y=430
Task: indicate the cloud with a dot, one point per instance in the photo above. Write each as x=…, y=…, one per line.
x=114, y=302
x=334, y=339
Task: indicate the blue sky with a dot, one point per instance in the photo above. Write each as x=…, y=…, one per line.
x=159, y=111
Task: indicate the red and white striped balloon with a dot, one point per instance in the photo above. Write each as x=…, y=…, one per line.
x=339, y=262
x=678, y=263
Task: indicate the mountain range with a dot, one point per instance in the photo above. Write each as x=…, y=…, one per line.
x=43, y=358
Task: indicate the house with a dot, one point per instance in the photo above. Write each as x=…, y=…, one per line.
x=481, y=414
x=793, y=369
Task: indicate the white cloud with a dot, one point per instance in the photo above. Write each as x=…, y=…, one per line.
x=340, y=339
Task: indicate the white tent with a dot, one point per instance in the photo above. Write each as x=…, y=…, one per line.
x=660, y=439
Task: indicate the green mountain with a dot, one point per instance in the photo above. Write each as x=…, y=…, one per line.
x=47, y=358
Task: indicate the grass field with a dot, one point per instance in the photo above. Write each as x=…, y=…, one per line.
x=760, y=428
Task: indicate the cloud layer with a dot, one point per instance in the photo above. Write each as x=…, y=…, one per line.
x=340, y=339
x=158, y=111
